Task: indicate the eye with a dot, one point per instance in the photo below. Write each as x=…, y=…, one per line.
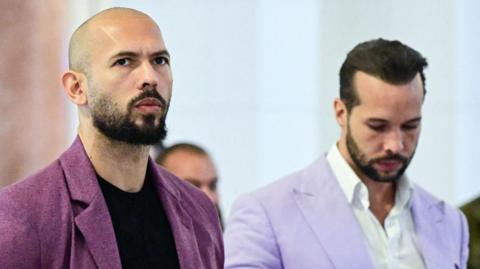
x=377, y=127
x=122, y=62
x=213, y=185
x=411, y=126
x=161, y=60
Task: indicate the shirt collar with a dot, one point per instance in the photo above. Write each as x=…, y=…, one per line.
x=345, y=175
x=355, y=191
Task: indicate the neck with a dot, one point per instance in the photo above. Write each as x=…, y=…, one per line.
x=381, y=196
x=121, y=164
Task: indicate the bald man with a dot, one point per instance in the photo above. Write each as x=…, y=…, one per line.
x=192, y=163
x=104, y=203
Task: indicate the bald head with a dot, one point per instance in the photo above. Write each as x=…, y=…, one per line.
x=192, y=163
x=84, y=38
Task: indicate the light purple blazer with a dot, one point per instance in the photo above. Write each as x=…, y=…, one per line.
x=304, y=221
x=58, y=218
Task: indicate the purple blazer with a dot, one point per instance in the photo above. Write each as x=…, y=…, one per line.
x=58, y=218
x=304, y=221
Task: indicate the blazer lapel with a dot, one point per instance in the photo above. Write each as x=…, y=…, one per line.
x=179, y=219
x=91, y=215
x=95, y=225
x=428, y=218
x=329, y=215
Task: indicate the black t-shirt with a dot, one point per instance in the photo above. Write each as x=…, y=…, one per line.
x=142, y=230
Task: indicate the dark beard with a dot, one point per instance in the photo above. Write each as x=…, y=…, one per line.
x=366, y=166
x=109, y=120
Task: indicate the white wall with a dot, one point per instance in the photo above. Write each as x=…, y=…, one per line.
x=255, y=81
x=467, y=100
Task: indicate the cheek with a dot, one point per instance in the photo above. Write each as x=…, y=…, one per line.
x=122, y=91
x=411, y=140
x=122, y=87
x=122, y=80
x=368, y=141
x=373, y=143
x=165, y=86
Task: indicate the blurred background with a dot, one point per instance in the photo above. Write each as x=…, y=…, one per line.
x=254, y=82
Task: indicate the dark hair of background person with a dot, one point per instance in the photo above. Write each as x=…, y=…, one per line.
x=390, y=61
x=180, y=146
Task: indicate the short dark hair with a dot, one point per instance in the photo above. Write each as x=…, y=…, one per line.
x=189, y=147
x=390, y=61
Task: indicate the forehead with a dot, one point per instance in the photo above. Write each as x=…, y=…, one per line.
x=138, y=34
x=384, y=100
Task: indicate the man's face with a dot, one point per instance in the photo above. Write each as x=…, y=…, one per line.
x=382, y=132
x=129, y=81
x=195, y=168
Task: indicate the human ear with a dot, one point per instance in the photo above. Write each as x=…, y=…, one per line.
x=73, y=84
x=340, y=112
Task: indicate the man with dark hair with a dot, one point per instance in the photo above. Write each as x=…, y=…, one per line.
x=354, y=207
x=382, y=60
x=104, y=203
x=193, y=164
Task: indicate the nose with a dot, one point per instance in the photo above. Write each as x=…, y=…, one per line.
x=149, y=76
x=394, y=143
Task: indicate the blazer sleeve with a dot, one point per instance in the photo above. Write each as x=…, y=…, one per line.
x=250, y=241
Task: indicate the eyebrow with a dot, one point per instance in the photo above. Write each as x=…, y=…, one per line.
x=417, y=119
x=379, y=120
x=376, y=120
x=134, y=54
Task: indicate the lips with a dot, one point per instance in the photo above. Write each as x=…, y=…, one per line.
x=149, y=101
x=149, y=104
x=388, y=166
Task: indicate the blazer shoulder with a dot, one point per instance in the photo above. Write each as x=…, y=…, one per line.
x=425, y=196
x=452, y=216
x=430, y=200
x=28, y=191
x=34, y=199
x=22, y=207
x=282, y=188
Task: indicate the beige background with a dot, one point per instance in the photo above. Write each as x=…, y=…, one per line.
x=32, y=105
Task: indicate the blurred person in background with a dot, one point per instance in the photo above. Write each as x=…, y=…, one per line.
x=472, y=212
x=104, y=203
x=193, y=164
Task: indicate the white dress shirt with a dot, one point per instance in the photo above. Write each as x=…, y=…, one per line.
x=394, y=246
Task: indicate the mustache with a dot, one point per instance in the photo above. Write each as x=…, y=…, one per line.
x=148, y=92
x=393, y=157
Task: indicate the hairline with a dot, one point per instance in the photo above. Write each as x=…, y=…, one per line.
x=356, y=97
